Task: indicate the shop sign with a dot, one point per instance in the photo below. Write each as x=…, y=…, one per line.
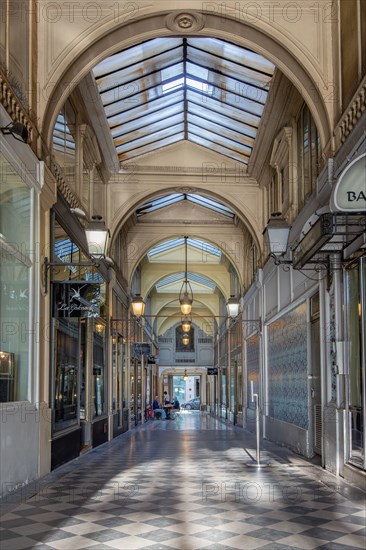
x=213, y=370
x=76, y=300
x=349, y=194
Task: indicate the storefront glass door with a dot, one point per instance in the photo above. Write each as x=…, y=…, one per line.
x=356, y=340
x=66, y=373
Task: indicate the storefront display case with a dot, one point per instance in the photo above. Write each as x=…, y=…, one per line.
x=7, y=376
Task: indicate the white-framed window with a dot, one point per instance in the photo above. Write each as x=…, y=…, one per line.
x=18, y=305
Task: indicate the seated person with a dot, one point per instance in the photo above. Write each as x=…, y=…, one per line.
x=176, y=404
x=158, y=411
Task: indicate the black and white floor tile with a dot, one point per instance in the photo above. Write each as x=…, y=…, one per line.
x=188, y=485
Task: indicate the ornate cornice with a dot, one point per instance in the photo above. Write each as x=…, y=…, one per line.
x=353, y=113
x=70, y=197
x=16, y=111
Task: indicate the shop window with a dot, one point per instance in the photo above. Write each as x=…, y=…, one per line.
x=223, y=386
x=308, y=155
x=15, y=266
x=66, y=372
x=99, y=370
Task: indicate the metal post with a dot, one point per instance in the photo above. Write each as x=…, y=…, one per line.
x=255, y=397
x=257, y=426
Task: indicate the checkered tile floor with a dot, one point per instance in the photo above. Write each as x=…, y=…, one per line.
x=186, y=485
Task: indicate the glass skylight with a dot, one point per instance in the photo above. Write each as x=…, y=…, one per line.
x=167, y=200
x=220, y=90
x=62, y=138
x=174, y=85
x=161, y=202
x=179, y=83
x=201, y=86
x=179, y=277
x=205, y=247
x=163, y=247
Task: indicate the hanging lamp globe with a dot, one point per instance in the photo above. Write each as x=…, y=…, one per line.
x=186, y=325
x=186, y=294
x=185, y=339
x=185, y=377
x=185, y=304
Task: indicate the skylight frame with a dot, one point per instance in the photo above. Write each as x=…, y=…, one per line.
x=203, y=246
x=199, y=82
x=192, y=277
x=196, y=198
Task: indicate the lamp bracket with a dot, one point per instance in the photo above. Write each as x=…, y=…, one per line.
x=47, y=265
x=322, y=263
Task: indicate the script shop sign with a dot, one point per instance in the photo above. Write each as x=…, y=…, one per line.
x=76, y=300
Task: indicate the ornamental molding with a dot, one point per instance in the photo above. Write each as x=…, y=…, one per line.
x=185, y=22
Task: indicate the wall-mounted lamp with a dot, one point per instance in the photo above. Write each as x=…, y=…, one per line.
x=138, y=305
x=232, y=306
x=97, y=235
x=17, y=130
x=326, y=236
x=97, y=240
x=99, y=327
x=276, y=236
x=185, y=377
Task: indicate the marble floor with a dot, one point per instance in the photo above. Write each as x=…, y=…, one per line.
x=185, y=484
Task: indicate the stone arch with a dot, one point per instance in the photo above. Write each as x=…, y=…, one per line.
x=173, y=271
x=204, y=322
x=157, y=241
x=258, y=34
x=243, y=213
